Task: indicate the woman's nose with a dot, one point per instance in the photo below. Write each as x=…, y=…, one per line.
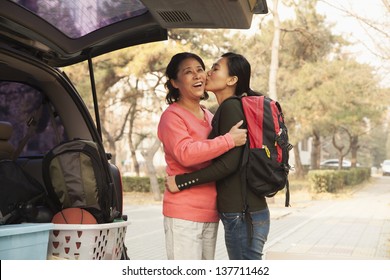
x=197, y=75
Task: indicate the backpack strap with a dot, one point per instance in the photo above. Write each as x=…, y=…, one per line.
x=286, y=147
x=287, y=201
x=245, y=205
x=245, y=210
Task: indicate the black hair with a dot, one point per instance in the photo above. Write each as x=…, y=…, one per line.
x=239, y=66
x=171, y=71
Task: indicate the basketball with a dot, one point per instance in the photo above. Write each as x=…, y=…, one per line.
x=74, y=216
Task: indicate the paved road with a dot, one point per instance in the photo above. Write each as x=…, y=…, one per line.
x=357, y=227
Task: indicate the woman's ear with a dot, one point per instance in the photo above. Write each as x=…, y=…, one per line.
x=173, y=83
x=232, y=81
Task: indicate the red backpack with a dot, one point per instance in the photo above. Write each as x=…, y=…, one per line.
x=266, y=153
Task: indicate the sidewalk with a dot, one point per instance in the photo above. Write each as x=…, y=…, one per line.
x=350, y=227
x=357, y=227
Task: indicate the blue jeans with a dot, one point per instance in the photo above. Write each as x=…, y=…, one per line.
x=239, y=244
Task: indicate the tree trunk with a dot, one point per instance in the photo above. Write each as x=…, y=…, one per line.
x=132, y=147
x=315, y=151
x=274, y=54
x=299, y=172
x=341, y=138
x=151, y=170
x=112, y=151
x=134, y=160
x=354, y=149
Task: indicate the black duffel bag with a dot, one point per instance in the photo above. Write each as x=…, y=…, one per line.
x=22, y=197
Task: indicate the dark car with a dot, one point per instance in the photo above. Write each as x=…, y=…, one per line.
x=37, y=37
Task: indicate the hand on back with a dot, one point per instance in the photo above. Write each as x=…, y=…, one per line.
x=238, y=134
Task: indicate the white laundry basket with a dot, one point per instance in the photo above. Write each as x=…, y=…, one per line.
x=87, y=242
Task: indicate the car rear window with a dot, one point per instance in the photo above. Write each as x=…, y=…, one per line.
x=79, y=18
x=19, y=103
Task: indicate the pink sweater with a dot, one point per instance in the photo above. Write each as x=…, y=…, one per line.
x=187, y=149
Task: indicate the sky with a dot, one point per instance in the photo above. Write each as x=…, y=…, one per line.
x=352, y=29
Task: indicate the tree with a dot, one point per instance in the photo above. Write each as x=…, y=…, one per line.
x=148, y=155
x=148, y=66
x=377, y=29
x=274, y=53
x=305, y=41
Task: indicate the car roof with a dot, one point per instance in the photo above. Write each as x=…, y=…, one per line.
x=64, y=32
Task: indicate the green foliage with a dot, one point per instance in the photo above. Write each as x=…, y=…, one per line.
x=334, y=180
x=307, y=38
x=79, y=75
x=325, y=181
x=140, y=184
x=207, y=43
x=356, y=176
